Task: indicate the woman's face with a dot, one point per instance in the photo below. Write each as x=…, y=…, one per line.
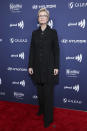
x=43, y=17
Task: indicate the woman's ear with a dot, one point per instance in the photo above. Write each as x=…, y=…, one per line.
x=49, y=19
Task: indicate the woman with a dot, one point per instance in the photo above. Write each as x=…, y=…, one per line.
x=44, y=64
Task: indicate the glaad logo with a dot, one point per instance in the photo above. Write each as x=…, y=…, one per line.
x=13, y=40
x=34, y=7
x=66, y=41
x=20, y=25
x=76, y=87
x=81, y=24
x=15, y=7
x=22, y=83
x=65, y=100
x=50, y=23
x=19, y=83
x=19, y=95
x=16, y=69
x=0, y=81
x=76, y=5
x=21, y=55
x=78, y=58
x=72, y=73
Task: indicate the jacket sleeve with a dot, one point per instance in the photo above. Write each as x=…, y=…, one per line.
x=56, y=49
x=31, y=53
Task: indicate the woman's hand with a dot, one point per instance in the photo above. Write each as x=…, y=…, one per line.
x=30, y=71
x=56, y=71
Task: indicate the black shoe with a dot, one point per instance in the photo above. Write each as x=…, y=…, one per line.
x=47, y=124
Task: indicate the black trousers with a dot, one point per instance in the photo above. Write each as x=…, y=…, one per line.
x=45, y=99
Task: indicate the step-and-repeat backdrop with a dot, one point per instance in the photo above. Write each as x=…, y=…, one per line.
x=18, y=18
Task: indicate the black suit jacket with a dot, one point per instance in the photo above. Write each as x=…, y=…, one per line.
x=44, y=55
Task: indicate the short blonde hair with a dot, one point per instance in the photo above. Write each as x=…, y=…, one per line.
x=44, y=9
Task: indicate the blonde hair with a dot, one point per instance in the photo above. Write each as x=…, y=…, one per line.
x=44, y=9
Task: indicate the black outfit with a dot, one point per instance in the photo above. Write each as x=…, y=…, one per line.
x=44, y=58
